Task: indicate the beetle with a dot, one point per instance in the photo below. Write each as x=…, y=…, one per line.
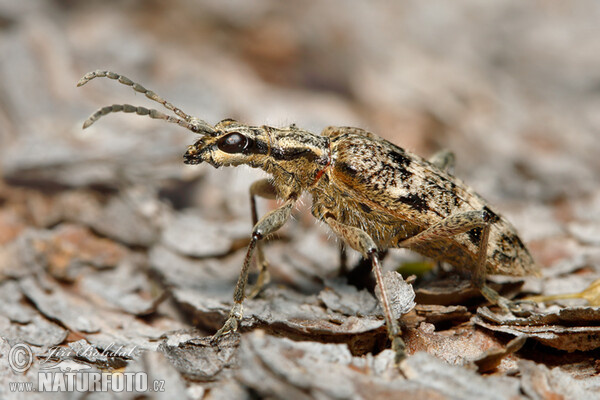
x=373, y=195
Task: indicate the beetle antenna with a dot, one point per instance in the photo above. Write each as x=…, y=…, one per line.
x=187, y=121
x=196, y=125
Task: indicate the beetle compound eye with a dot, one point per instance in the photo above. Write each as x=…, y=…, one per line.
x=233, y=143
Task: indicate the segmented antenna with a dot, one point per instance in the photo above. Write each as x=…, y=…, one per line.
x=187, y=121
x=151, y=112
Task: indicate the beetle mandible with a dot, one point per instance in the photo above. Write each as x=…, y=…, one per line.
x=373, y=195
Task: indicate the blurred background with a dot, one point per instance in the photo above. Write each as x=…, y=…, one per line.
x=512, y=88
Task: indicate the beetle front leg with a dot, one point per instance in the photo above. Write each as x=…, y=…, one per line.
x=362, y=242
x=263, y=188
x=268, y=224
x=461, y=223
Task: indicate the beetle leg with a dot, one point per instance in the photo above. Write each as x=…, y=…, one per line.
x=362, y=242
x=263, y=188
x=343, y=260
x=268, y=224
x=461, y=223
x=444, y=160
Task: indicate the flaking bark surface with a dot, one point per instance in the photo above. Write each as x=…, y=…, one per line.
x=107, y=241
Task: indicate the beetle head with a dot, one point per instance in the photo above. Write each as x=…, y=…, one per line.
x=230, y=144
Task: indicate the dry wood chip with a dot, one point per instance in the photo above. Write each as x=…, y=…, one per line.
x=22, y=323
x=559, y=337
x=64, y=251
x=434, y=313
x=539, y=382
x=82, y=206
x=345, y=299
x=298, y=370
x=221, y=273
x=132, y=217
x=11, y=303
x=204, y=289
x=225, y=389
x=458, y=345
x=452, y=291
x=55, y=303
x=124, y=333
x=127, y=287
x=192, y=235
x=19, y=258
x=285, y=312
x=44, y=210
x=11, y=225
x=10, y=261
x=107, y=159
x=491, y=359
x=122, y=219
x=282, y=368
x=199, y=359
x=69, y=247
x=38, y=332
x=103, y=328
x=292, y=266
x=401, y=294
x=456, y=382
x=564, y=329
x=280, y=310
x=213, y=275
x=158, y=367
x=570, y=316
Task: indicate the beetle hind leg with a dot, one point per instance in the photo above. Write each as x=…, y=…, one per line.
x=478, y=277
x=362, y=242
x=462, y=223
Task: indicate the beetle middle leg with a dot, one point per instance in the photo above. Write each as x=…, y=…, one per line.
x=268, y=224
x=461, y=223
x=263, y=188
x=362, y=242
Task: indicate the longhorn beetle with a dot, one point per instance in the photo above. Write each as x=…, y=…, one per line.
x=373, y=195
